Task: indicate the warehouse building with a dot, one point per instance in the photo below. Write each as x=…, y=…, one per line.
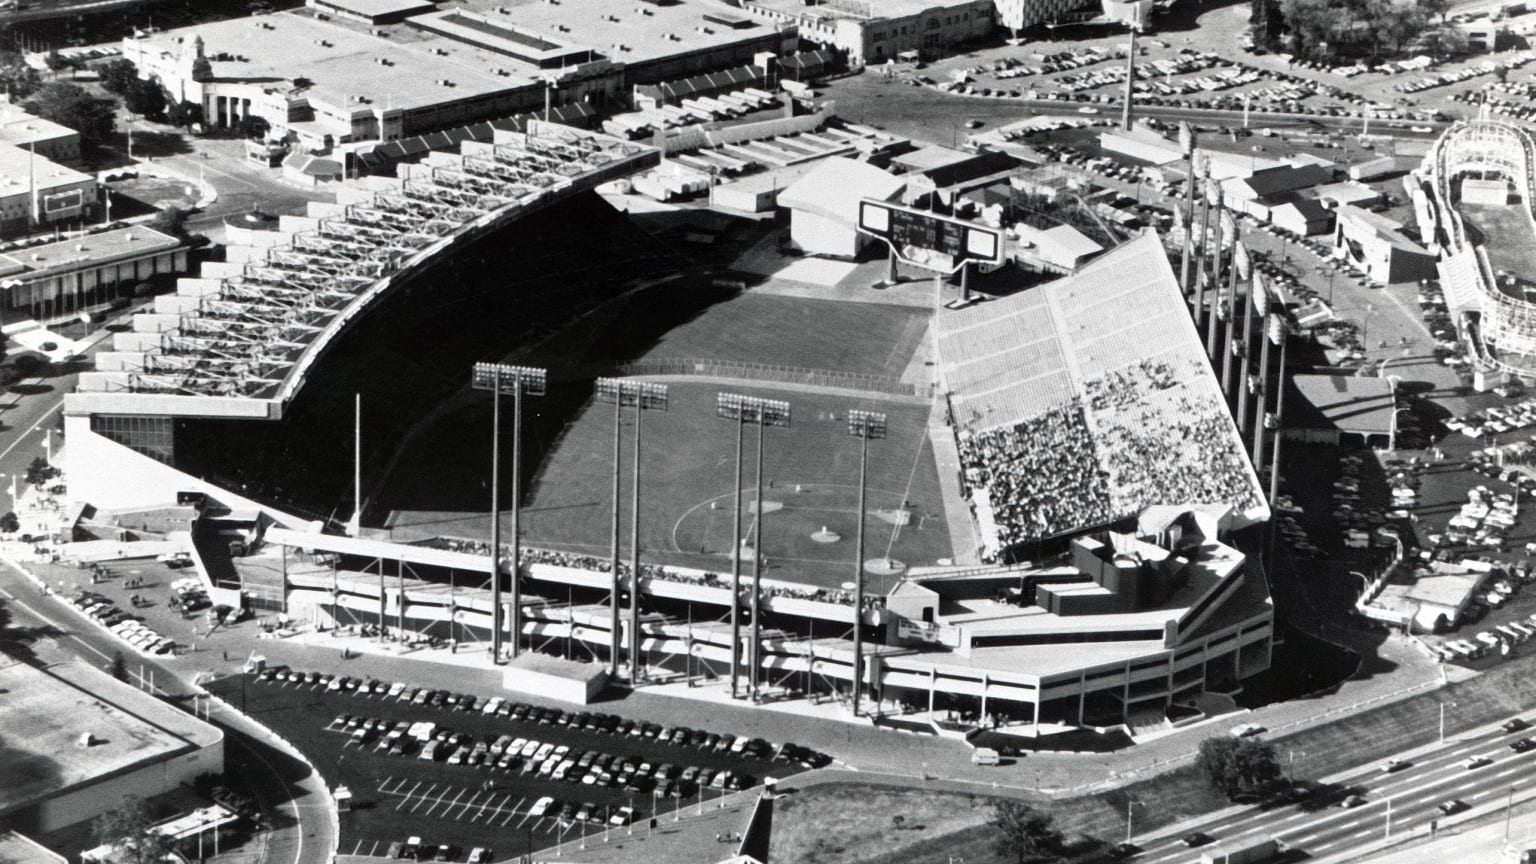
x=78, y=741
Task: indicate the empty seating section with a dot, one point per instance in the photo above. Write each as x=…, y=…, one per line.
x=276, y=306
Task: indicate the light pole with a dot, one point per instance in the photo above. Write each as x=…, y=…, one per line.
x=863, y=425
x=48, y=445
x=761, y=413
x=643, y=396
x=519, y=381
x=1130, y=803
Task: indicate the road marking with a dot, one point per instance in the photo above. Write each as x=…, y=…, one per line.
x=513, y=812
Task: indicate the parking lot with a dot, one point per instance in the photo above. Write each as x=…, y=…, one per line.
x=477, y=772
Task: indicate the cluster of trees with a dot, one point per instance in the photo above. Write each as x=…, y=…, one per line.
x=1026, y=835
x=1237, y=766
x=147, y=98
x=1362, y=29
x=73, y=106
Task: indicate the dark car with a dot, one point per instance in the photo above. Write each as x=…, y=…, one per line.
x=1197, y=838
x=1454, y=805
x=447, y=852
x=1516, y=725
x=1522, y=745
x=1126, y=850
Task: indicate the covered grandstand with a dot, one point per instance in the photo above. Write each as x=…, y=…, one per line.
x=242, y=341
x=1082, y=401
x=1473, y=196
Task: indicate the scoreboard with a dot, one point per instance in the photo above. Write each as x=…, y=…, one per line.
x=928, y=239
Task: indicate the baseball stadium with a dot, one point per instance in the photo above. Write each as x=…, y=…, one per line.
x=1475, y=188
x=1029, y=509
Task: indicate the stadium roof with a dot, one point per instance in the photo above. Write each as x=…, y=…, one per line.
x=45, y=714
x=832, y=190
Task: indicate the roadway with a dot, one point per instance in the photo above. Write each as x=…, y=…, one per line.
x=1409, y=797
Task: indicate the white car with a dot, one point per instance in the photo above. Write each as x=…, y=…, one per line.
x=541, y=806
x=1247, y=730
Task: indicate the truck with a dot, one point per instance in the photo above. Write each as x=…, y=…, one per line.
x=1252, y=851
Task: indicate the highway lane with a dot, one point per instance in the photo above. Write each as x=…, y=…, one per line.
x=1415, y=794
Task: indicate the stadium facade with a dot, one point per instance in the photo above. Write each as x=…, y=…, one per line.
x=1475, y=189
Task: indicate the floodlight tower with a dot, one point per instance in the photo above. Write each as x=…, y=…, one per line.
x=644, y=396
x=517, y=381
x=863, y=425
x=762, y=413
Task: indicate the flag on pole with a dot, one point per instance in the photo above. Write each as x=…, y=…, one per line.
x=1243, y=262
x=1253, y=384
x=1260, y=291
x=1269, y=421
x=1276, y=329
x=1186, y=139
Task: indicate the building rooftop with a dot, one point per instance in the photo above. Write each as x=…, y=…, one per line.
x=342, y=66
x=623, y=31
x=91, y=249
x=858, y=11
x=47, y=712
x=19, y=849
x=19, y=168
x=833, y=188
x=19, y=128
x=1353, y=404
x=380, y=8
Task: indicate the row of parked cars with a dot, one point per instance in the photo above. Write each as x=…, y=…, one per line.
x=608, y=724
x=558, y=762
x=127, y=627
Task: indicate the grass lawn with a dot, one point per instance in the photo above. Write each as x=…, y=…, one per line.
x=848, y=823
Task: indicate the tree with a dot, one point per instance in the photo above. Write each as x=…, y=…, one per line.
x=1235, y=765
x=170, y=220
x=1436, y=7
x=9, y=524
x=145, y=98
x=184, y=114
x=70, y=105
x=119, y=666
x=20, y=80
x=119, y=76
x=40, y=472
x=1025, y=834
x=128, y=828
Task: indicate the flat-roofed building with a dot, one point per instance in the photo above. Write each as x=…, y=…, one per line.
x=322, y=83
x=54, y=277
x=19, y=849
x=372, y=11
x=869, y=32
x=78, y=741
x=36, y=192
x=1377, y=243
x=50, y=140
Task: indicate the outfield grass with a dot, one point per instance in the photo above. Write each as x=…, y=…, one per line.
x=866, y=338
x=688, y=463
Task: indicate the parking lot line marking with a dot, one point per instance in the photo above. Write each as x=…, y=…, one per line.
x=513, y=811
x=486, y=807
x=441, y=800
x=467, y=804
x=423, y=796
